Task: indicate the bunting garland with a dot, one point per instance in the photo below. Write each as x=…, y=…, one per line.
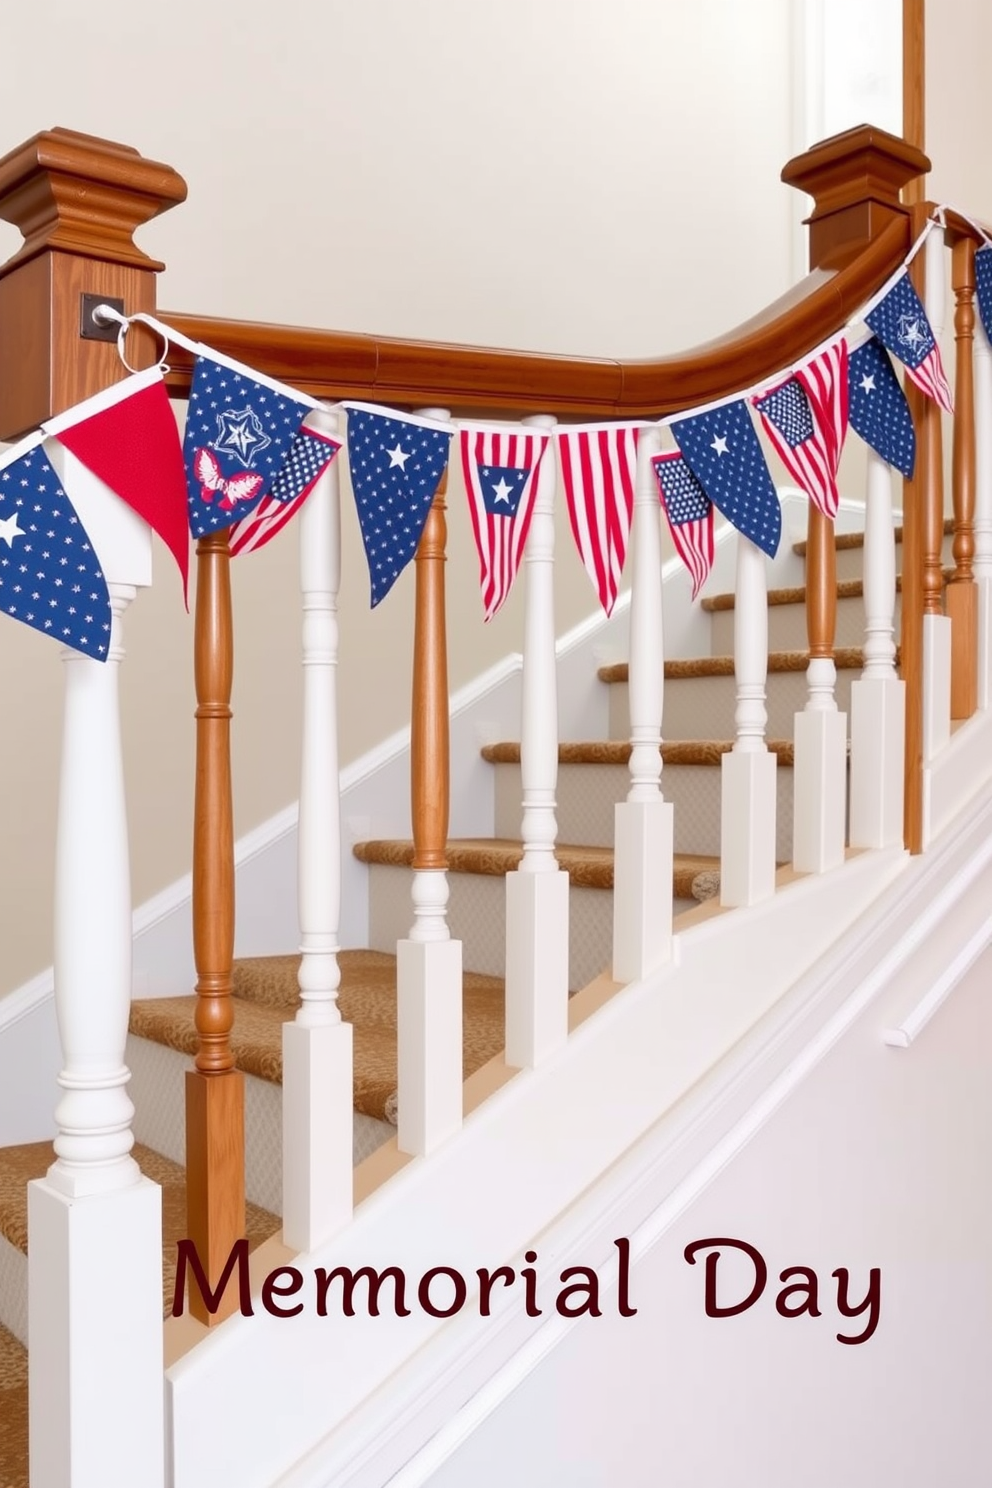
x=247, y=462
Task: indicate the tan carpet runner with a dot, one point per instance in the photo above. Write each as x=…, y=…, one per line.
x=13, y=1412
x=617, y=752
x=266, y=995
x=846, y=658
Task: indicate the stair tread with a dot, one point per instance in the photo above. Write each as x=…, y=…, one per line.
x=617, y=752
x=846, y=658
x=846, y=589
x=844, y=540
x=266, y=995
x=587, y=867
x=13, y=1411
x=18, y=1165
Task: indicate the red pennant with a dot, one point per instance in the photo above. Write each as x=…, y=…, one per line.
x=133, y=447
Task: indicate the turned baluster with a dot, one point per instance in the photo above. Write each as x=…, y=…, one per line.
x=748, y=772
x=537, y=892
x=820, y=768
x=429, y=961
x=961, y=601
x=643, y=824
x=215, y=1179
x=317, y=1062
x=95, y=1261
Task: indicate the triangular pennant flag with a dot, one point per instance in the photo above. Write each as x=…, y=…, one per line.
x=689, y=512
x=900, y=323
x=50, y=576
x=309, y=456
x=500, y=467
x=983, y=287
x=805, y=418
x=239, y=427
x=396, y=464
x=127, y=436
x=722, y=448
x=598, y=466
x=878, y=408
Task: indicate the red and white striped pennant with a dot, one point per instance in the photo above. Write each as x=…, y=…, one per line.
x=489, y=456
x=598, y=467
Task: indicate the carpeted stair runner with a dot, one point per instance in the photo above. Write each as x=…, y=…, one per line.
x=13, y=1411
x=266, y=995
x=846, y=658
x=587, y=867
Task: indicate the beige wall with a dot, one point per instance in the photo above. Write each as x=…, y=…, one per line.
x=560, y=174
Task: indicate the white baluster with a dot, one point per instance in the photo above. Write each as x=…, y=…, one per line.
x=429, y=961
x=748, y=772
x=983, y=510
x=644, y=829
x=95, y=1261
x=318, y=1103
x=936, y=628
x=878, y=698
x=537, y=892
x=819, y=772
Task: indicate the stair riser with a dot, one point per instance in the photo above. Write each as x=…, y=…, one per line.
x=588, y=794
x=851, y=561
x=703, y=707
x=477, y=917
x=157, y=1088
x=787, y=626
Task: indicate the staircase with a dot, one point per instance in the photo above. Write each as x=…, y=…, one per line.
x=681, y=1022
x=700, y=699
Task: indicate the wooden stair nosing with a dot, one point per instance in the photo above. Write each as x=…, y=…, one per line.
x=846, y=658
x=845, y=540
x=702, y=752
x=587, y=867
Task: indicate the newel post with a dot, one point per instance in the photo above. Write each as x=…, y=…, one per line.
x=94, y=1223
x=855, y=180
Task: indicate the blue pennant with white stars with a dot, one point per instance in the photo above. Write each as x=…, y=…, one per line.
x=723, y=452
x=238, y=433
x=396, y=467
x=983, y=287
x=877, y=407
x=50, y=576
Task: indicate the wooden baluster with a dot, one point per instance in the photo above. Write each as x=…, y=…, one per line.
x=215, y=1131
x=537, y=892
x=95, y=1261
x=317, y=1061
x=429, y=962
x=820, y=769
x=878, y=697
x=961, y=603
x=983, y=511
x=644, y=823
x=748, y=772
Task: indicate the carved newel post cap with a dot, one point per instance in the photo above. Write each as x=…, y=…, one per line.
x=83, y=196
x=855, y=180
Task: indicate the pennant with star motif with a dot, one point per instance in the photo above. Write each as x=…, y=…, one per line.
x=500, y=467
x=877, y=407
x=239, y=429
x=983, y=287
x=396, y=462
x=689, y=512
x=900, y=323
x=309, y=456
x=805, y=417
x=722, y=449
x=50, y=576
